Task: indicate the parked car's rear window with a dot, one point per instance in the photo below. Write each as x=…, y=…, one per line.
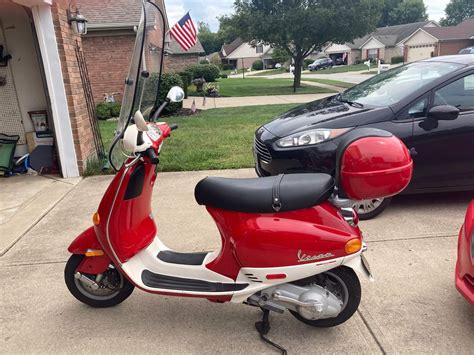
x=397, y=84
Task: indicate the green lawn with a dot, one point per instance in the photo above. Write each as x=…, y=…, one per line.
x=341, y=69
x=259, y=87
x=270, y=72
x=341, y=84
x=212, y=139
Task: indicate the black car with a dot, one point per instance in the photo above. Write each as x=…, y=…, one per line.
x=321, y=63
x=428, y=104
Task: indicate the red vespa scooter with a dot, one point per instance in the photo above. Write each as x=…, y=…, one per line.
x=289, y=242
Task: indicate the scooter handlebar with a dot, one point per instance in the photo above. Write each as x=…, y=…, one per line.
x=173, y=126
x=150, y=153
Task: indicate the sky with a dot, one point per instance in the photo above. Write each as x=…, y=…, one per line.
x=208, y=10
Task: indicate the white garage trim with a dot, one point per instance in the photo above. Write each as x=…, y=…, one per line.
x=43, y=20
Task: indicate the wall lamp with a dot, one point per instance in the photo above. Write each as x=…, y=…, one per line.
x=77, y=21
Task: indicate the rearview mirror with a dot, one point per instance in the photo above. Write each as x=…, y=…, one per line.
x=176, y=94
x=443, y=112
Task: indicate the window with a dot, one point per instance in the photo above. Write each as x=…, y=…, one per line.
x=417, y=109
x=372, y=53
x=259, y=48
x=459, y=93
x=398, y=84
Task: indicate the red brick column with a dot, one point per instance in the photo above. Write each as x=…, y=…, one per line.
x=66, y=39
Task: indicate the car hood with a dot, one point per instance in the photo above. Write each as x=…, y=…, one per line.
x=326, y=113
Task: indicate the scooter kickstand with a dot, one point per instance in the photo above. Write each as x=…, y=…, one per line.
x=263, y=327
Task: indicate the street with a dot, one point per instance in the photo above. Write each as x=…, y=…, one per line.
x=412, y=307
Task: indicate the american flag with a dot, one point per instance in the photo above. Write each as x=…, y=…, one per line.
x=185, y=33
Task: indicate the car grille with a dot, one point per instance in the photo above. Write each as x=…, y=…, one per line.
x=262, y=152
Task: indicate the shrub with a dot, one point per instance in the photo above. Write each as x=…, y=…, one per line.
x=115, y=109
x=186, y=78
x=208, y=72
x=224, y=76
x=257, y=65
x=168, y=80
x=212, y=89
x=204, y=61
x=106, y=110
x=227, y=67
x=102, y=111
x=396, y=60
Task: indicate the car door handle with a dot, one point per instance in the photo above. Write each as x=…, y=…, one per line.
x=413, y=152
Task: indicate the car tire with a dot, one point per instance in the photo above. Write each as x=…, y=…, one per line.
x=369, y=209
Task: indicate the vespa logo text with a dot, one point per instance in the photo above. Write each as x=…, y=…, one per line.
x=303, y=257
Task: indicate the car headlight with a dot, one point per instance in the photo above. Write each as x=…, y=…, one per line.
x=312, y=137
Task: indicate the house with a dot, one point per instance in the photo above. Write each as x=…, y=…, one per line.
x=242, y=54
x=178, y=59
x=384, y=44
x=45, y=74
x=435, y=41
x=109, y=43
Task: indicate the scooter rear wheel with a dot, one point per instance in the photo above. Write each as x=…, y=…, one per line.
x=113, y=287
x=344, y=283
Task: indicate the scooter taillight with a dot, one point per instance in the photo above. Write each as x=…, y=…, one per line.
x=350, y=216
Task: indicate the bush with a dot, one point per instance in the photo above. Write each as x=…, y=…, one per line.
x=257, y=65
x=115, y=109
x=227, y=67
x=102, y=111
x=106, y=110
x=224, y=76
x=212, y=89
x=186, y=78
x=168, y=80
x=396, y=60
x=204, y=61
x=208, y=72
x=307, y=62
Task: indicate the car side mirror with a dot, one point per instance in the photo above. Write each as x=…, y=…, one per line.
x=443, y=113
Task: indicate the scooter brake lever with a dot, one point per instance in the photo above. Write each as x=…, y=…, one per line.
x=134, y=161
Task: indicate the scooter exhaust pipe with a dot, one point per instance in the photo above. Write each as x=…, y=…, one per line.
x=92, y=284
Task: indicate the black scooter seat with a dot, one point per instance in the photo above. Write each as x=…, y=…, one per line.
x=295, y=191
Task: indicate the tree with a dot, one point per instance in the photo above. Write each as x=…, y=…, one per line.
x=280, y=55
x=388, y=6
x=408, y=11
x=303, y=26
x=210, y=41
x=457, y=11
x=228, y=30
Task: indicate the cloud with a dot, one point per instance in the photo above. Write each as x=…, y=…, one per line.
x=435, y=9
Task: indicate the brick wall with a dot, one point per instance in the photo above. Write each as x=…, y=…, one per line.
x=453, y=47
x=81, y=129
x=178, y=62
x=108, y=61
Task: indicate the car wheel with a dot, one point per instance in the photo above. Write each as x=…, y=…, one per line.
x=368, y=209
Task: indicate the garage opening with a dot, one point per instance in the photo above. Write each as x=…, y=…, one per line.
x=25, y=113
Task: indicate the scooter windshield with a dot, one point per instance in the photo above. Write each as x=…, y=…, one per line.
x=141, y=84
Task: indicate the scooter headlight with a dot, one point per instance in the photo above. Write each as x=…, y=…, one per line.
x=312, y=137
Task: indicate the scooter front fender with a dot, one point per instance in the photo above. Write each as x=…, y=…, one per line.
x=87, y=242
x=84, y=241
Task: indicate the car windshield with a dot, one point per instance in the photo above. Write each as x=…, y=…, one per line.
x=467, y=51
x=397, y=84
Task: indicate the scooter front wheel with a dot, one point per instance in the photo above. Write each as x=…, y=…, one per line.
x=344, y=284
x=100, y=291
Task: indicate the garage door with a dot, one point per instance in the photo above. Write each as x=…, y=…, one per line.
x=420, y=52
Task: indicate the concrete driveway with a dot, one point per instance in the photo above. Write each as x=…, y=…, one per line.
x=412, y=307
